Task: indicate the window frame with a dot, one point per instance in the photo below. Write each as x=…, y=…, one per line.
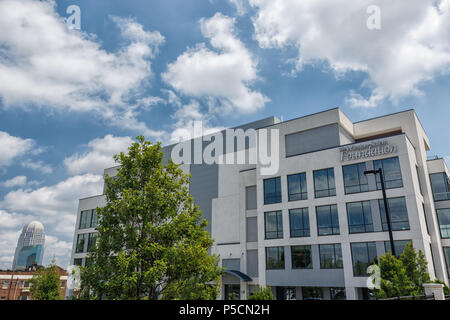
x=308, y=265
x=360, y=177
x=372, y=243
x=306, y=232
x=281, y=262
x=277, y=193
x=332, y=226
x=364, y=215
x=447, y=228
x=383, y=218
x=331, y=191
x=387, y=181
x=279, y=218
x=301, y=179
x=337, y=261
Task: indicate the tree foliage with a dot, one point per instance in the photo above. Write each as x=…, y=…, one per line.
x=262, y=293
x=152, y=242
x=46, y=283
x=402, y=276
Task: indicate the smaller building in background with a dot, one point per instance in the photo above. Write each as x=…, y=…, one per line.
x=30, y=247
x=15, y=285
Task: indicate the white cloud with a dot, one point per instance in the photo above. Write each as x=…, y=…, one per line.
x=44, y=64
x=225, y=74
x=99, y=156
x=54, y=201
x=239, y=5
x=58, y=249
x=12, y=220
x=412, y=46
x=37, y=165
x=13, y=147
x=8, y=243
x=14, y=182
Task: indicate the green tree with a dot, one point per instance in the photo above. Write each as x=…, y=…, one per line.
x=152, y=241
x=402, y=276
x=46, y=283
x=262, y=293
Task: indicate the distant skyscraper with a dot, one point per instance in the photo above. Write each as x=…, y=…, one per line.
x=30, y=247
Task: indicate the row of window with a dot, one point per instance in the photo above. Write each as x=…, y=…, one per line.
x=359, y=217
x=91, y=239
x=324, y=184
x=363, y=255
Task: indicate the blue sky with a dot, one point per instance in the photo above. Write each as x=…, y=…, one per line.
x=70, y=99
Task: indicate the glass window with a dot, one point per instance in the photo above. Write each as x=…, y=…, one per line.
x=94, y=220
x=397, y=212
x=354, y=178
x=80, y=242
x=85, y=219
x=272, y=190
x=330, y=256
x=359, y=216
x=391, y=173
x=297, y=187
x=447, y=259
x=301, y=257
x=273, y=225
x=444, y=222
x=78, y=262
x=440, y=186
x=312, y=293
x=285, y=293
x=299, y=222
x=399, y=246
x=363, y=255
x=327, y=220
x=274, y=258
x=324, y=185
x=232, y=292
x=337, y=294
x=92, y=240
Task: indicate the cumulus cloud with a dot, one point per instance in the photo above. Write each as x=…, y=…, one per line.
x=239, y=5
x=54, y=201
x=16, y=181
x=13, y=147
x=44, y=64
x=224, y=74
x=412, y=46
x=37, y=165
x=99, y=156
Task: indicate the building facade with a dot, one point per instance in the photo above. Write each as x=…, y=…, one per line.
x=15, y=285
x=30, y=246
x=311, y=229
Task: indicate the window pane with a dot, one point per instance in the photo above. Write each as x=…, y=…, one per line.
x=80, y=243
x=301, y=257
x=85, y=219
x=299, y=222
x=327, y=220
x=398, y=213
x=272, y=190
x=354, y=178
x=444, y=222
x=92, y=241
x=330, y=256
x=312, y=293
x=273, y=225
x=297, y=187
x=440, y=186
x=391, y=173
x=447, y=258
x=359, y=217
x=274, y=258
x=94, y=220
x=363, y=255
x=399, y=246
x=337, y=294
x=324, y=185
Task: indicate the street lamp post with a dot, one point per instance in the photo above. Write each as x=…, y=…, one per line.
x=386, y=207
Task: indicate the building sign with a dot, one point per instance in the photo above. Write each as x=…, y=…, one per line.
x=367, y=150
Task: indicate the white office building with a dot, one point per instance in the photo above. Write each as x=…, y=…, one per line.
x=311, y=229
